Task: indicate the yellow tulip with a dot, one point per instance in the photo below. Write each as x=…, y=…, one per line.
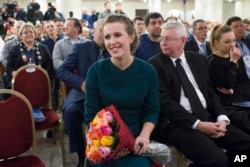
x=97, y=143
x=107, y=140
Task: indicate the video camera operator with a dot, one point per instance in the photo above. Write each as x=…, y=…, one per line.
x=34, y=14
x=11, y=11
x=51, y=13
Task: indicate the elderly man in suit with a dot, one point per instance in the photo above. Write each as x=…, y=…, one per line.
x=199, y=44
x=192, y=120
x=73, y=72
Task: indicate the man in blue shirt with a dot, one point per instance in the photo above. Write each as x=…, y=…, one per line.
x=149, y=44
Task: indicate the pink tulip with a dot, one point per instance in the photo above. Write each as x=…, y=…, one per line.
x=108, y=116
x=105, y=151
x=106, y=130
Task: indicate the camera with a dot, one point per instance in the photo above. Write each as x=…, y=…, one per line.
x=7, y=9
x=31, y=12
x=50, y=14
x=51, y=7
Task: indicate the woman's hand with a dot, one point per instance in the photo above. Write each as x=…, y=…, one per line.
x=235, y=54
x=141, y=145
x=225, y=91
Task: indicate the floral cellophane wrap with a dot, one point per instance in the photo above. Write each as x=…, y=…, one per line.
x=120, y=137
x=101, y=148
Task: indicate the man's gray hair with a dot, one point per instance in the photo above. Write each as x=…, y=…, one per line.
x=98, y=23
x=178, y=26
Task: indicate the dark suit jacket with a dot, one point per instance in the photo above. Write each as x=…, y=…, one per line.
x=172, y=113
x=15, y=60
x=192, y=45
x=82, y=57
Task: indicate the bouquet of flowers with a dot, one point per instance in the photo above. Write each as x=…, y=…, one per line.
x=105, y=139
x=104, y=134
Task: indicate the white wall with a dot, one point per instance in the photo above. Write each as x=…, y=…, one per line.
x=228, y=10
x=129, y=7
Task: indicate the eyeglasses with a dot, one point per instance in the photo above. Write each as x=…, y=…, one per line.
x=28, y=32
x=202, y=28
x=167, y=39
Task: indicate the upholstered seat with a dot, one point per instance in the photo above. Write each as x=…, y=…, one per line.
x=17, y=131
x=33, y=82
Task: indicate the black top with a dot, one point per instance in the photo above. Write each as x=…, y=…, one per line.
x=223, y=73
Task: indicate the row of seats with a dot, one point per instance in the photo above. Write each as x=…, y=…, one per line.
x=37, y=92
x=33, y=82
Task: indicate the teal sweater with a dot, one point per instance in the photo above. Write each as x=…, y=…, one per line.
x=134, y=92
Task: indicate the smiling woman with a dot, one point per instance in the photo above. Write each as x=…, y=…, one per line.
x=128, y=83
x=27, y=51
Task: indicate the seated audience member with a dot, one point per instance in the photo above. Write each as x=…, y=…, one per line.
x=52, y=36
x=28, y=51
x=84, y=22
x=228, y=75
x=149, y=42
x=139, y=26
x=112, y=80
x=242, y=40
x=85, y=32
x=189, y=35
x=11, y=42
x=82, y=57
x=246, y=23
x=59, y=27
x=192, y=118
x=63, y=47
x=198, y=43
x=39, y=35
x=210, y=26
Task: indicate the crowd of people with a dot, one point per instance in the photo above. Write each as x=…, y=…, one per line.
x=170, y=82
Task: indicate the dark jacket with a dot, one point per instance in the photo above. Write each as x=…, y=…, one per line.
x=172, y=113
x=192, y=45
x=145, y=49
x=15, y=60
x=82, y=57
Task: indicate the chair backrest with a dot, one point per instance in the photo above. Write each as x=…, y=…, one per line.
x=16, y=125
x=65, y=89
x=34, y=83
